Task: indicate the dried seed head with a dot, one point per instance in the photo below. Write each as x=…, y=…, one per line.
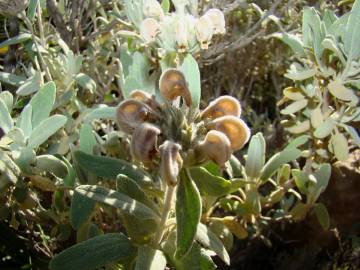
x=171, y=162
x=12, y=7
x=149, y=29
x=217, y=147
x=234, y=128
x=144, y=97
x=173, y=84
x=132, y=113
x=204, y=31
x=217, y=20
x=181, y=37
x=153, y=9
x=224, y=105
x=144, y=142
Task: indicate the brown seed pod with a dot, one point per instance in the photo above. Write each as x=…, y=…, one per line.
x=132, y=113
x=144, y=142
x=12, y=7
x=217, y=147
x=144, y=97
x=224, y=105
x=173, y=84
x=234, y=128
x=171, y=162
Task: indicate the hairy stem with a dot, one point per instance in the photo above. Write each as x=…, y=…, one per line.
x=165, y=214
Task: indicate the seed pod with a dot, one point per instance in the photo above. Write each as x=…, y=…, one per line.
x=234, y=128
x=153, y=9
x=224, y=105
x=217, y=20
x=204, y=31
x=171, y=162
x=216, y=146
x=144, y=142
x=145, y=98
x=173, y=84
x=149, y=29
x=12, y=7
x=132, y=113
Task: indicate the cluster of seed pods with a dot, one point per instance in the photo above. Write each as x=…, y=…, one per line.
x=184, y=28
x=222, y=131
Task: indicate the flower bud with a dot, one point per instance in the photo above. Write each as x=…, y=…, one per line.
x=216, y=146
x=149, y=29
x=224, y=105
x=204, y=31
x=173, y=84
x=171, y=162
x=217, y=20
x=132, y=113
x=153, y=9
x=144, y=142
x=234, y=128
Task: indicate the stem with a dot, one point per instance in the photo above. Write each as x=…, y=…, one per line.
x=165, y=214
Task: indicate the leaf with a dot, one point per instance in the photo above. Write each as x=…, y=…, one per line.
x=339, y=91
x=301, y=180
x=325, y=129
x=352, y=34
x=110, y=167
x=50, y=163
x=6, y=122
x=11, y=79
x=103, y=112
x=42, y=103
x=317, y=117
x=24, y=122
x=299, y=127
x=322, y=215
x=277, y=160
x=188, y=213
x=297, y=142
x=295, y=107
x=81, y=210
x=353, y=133
x=85, y=82
x=165, y=5
x=293, y=93
x=256, y=156
x=31, y=11
x=8, y=99
x=209, y=240
x=150, y=259
x=15, y=40
x=293, y=42
x=94, y=253
x=340, y=146
x=118, y=200
x=45, y=129
x=191, y=72
x=30, y=86
x=211, y=185
x=87, y=139
x=300, y=75
x=322, y=176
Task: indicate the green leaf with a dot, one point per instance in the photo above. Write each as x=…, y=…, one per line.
x=338, y=90
x=12, y=79
x=340, y=146
x=15, y=40
x=322, y=176
x=45, y=129
x=322, y=215
x=209, y=240
x=352, y=35
x=324, y=129
x=81, y=210
x=31, y=11
x=103, y=112
x=277, y=160
x=110, y=168
x=353, y=133
x=293, y=42
x=50, y=163
x=42, y=103
x=212, y=185
x=297, y=142
x=188, y=213
x=165, y=5
x=150, y=259
x=8, y=99
x=118, y=200
x=191, y=72
x=6, y=122
x=24, y=121
x=94, y=253
x=301, y=180
x=295, y=107
x=255, y=156
x=30, y=86
x=85, y=82
x=87, y=139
